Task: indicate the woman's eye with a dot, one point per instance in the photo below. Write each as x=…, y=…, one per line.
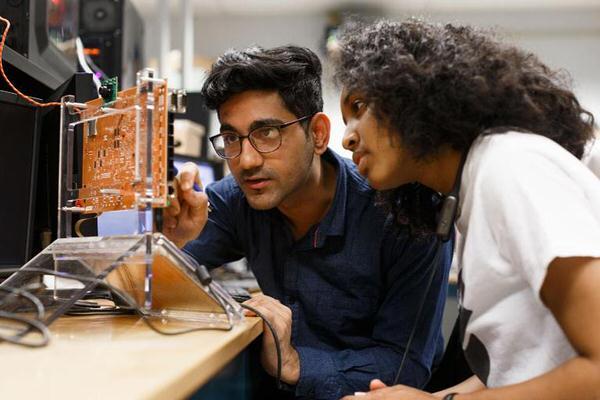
x=357, y=106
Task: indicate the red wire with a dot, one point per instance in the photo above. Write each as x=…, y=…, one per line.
x=24, y=96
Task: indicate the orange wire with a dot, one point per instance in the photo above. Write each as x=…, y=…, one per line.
x=24, y=96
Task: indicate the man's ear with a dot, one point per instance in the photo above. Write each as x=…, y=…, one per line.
x=320, y=128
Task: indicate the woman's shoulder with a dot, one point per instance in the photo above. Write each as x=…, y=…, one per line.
x=503, y=159
x=515, y=142
x=518, y=149
x=514, y=159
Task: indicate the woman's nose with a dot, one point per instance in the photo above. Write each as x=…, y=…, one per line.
x=351, y=139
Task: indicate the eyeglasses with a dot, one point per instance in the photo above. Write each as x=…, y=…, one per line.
x=264, y=139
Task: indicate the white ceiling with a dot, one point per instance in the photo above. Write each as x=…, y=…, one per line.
x=270, y=7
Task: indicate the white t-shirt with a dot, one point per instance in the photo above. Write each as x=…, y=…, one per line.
x=524, y=201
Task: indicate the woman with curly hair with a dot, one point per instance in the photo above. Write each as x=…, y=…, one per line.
x=447, y=109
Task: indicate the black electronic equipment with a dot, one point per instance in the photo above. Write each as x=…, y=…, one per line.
x=45, y=225
x=42, y=32
x=112, y=33
x=449, y=210
x=19, y=149
x=29, y=151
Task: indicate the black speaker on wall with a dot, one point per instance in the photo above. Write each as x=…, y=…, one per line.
x=112, y=33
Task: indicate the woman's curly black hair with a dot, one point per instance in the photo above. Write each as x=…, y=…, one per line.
x=439, y=86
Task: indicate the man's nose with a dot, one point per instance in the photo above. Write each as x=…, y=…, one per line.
x=351, y=139
x=250, y=158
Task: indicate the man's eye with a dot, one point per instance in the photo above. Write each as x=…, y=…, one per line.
x=268, y=132
x=229, y=138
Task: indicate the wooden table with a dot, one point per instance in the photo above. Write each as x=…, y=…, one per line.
x=118, y=357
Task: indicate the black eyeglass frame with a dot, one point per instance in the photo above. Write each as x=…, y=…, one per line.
x=242, y=137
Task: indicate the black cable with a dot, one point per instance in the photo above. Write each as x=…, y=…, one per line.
x=33, y=324
x=446, y=218
x=34, y=300
x=433, y=265
x=87, y=311
x=275, y=337
x=42, y=327
x=30, y=323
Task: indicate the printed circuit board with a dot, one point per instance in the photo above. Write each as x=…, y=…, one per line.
x=119, y=146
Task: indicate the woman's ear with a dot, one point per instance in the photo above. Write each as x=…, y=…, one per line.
x=320, y=128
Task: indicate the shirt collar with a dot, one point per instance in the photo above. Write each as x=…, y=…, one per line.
x=334, y=221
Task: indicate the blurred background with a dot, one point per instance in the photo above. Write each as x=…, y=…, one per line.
x=183, y=37
x=55, y=47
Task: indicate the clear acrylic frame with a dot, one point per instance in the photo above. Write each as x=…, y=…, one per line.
x=145, y=270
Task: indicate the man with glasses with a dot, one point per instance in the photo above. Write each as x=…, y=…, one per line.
x=340, y=285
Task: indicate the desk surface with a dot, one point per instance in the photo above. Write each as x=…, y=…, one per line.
x=116, y=357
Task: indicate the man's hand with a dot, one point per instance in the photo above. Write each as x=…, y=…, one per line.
x=399, y=392
x=377, y=384
x=188, y=212
x=280, y=317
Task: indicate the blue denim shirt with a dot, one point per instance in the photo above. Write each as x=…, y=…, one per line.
x=353, y=284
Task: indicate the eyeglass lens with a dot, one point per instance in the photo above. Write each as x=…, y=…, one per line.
x=264, y=140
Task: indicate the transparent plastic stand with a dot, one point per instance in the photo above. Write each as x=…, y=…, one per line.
x=145, y=270
x=119, y=265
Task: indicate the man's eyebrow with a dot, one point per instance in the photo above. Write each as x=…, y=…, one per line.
x=227, y=128
x=259, y=123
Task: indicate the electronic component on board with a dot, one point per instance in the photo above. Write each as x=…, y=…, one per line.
x=109, y=89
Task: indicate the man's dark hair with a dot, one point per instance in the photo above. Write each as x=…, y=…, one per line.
x=439, y=86
x=294, y=72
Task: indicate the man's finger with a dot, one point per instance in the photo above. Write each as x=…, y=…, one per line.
x=277, y=311
x=264, y=299
x=280, y=322
x=275, y=306
x=169, y=222
x=266, y=316
x=260, y=307
x=377, y=384
x=196, y=200
x=174, y=207
x=189, y=175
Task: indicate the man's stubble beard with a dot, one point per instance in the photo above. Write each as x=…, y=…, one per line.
x=300, y=180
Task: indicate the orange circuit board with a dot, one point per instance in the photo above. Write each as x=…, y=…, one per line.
x=114, y=161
